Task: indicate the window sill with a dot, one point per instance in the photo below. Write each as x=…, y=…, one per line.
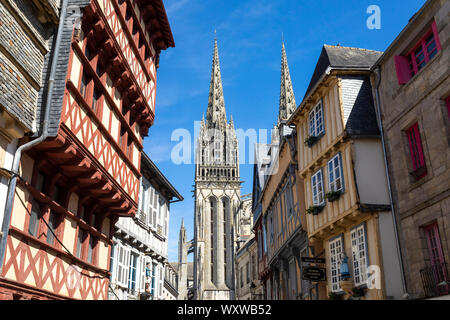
x=415, y=184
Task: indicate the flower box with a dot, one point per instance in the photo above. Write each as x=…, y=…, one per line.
x=311, y=140
x=333, y=195
x=335, y=296
x=315, y=210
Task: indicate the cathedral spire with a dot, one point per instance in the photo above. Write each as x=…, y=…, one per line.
x=215, y=114
x=287, y=98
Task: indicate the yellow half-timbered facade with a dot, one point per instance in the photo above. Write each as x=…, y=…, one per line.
x=340, y=160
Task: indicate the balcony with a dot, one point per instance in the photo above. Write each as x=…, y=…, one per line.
x=435, y=280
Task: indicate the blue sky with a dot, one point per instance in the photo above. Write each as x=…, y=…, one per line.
x=249, y=39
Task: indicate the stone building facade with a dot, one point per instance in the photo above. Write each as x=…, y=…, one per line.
x=412, y=79
x=143, y=240
x=248, y=286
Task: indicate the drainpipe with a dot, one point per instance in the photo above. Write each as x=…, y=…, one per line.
x=30, y=144
x=383, y=143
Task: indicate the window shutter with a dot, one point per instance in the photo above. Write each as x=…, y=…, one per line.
x=341, y=166
x=436, y=36
x=403, y=69
x=419, y=145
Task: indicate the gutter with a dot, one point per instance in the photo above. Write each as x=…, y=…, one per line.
x=377, y=72
x=30, y=144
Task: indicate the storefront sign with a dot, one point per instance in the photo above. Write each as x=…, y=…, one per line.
x=313, y=274
x=313, y=260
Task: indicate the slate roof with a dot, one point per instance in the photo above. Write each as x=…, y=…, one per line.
x=342, y=57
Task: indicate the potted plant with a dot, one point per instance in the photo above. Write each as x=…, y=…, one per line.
x=334, y=296
x=315, y=210
x=358, y=292
x=310, y=141
x=332, y=195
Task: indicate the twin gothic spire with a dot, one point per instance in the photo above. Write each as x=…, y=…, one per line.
x=216, y=114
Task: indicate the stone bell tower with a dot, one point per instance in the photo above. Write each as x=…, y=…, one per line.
x=217, y=196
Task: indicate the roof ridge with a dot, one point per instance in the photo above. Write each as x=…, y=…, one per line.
x=353, y=48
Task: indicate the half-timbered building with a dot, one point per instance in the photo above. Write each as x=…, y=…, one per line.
x=349, y=218
x=141, y=243
x=74, y=186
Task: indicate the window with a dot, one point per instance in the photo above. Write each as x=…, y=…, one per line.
x=416, y=152
x=336, y=255
x=241, y=276
x=288, y=200
x=132, y=272
x=317, y=188
x=436, y=255
x=407, y=66
x=83, y=86
x=129, y=147
x=122, y=266
x=95, y=100
x=91, y=248
x=260, y=244
x=248, y=272
x=52, y=224
x=316, y=121
x=122, y=136
x=335, y=174
x=34, y=218
x=40, y=182
x=359, y=254
x=264, y=235
x=111, y=259
x=152, y=290
x=81, y=237
x=271, y=229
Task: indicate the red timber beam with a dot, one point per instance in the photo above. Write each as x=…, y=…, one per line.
x=101, y=39
x=89, y=177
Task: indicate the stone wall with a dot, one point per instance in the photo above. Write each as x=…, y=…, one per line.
x=422, y=100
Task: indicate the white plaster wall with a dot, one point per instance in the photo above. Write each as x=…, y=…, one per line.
x=370, y=172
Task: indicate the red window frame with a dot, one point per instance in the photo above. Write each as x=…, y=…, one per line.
x=436, y=255
x=407, y=66
x=416, y=151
